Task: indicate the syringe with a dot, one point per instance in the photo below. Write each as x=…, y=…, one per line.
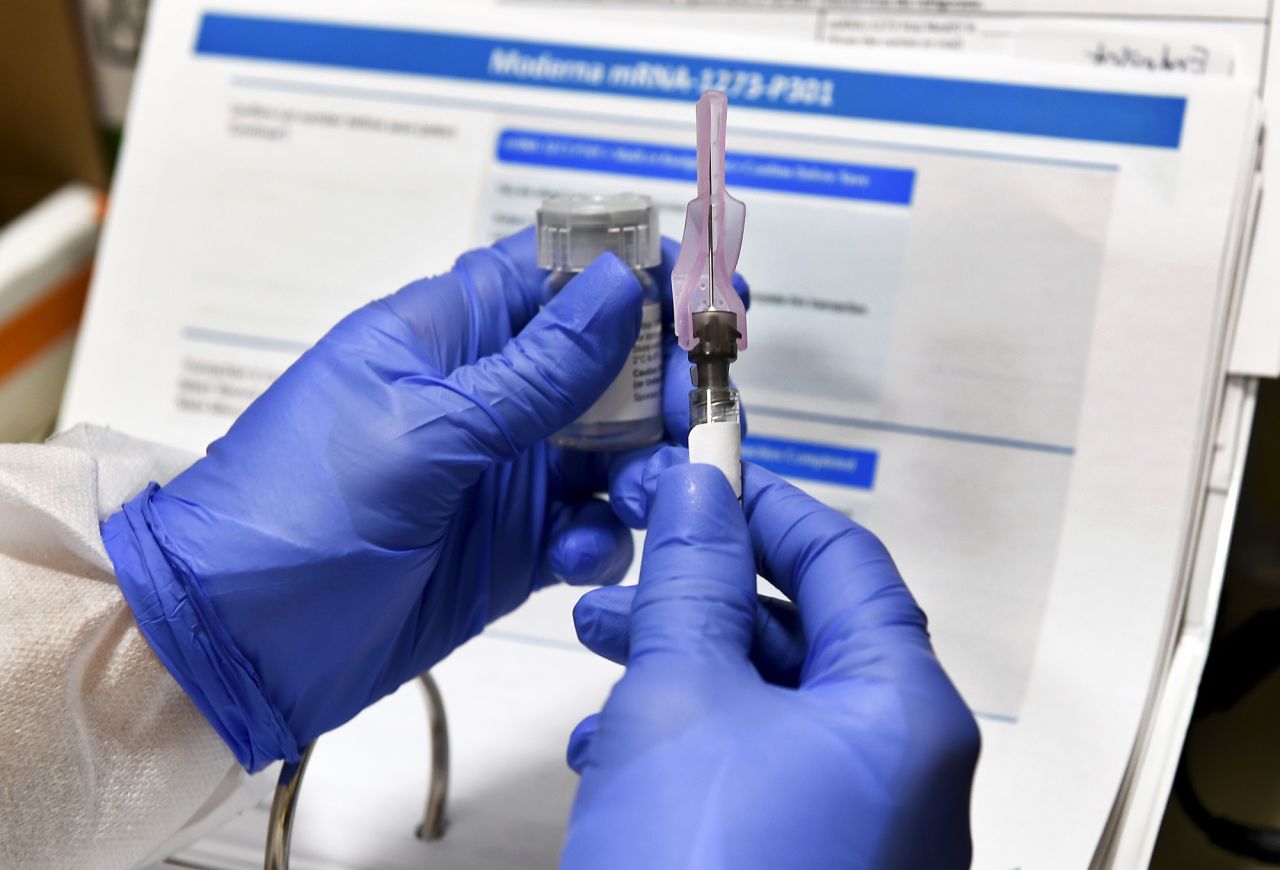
x=710, y=320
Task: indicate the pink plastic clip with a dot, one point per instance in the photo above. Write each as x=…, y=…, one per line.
x=702, y=278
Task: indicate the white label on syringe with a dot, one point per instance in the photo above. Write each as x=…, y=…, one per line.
x=719, y=444
x=636, y=394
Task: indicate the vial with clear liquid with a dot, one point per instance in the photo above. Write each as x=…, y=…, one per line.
x=572, y=232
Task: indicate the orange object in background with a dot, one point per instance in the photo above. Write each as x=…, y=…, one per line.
x=51, y=165
x=46, y=258
x=41, y=325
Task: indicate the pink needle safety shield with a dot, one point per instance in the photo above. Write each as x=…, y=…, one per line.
x=702, y=278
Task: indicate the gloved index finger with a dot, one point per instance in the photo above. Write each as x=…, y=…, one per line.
x=839, y=574
x=521, y=250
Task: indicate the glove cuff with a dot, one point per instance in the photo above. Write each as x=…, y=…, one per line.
x=182, y=628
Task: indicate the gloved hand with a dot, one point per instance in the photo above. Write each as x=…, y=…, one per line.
x=855, y=751
x=387, y=497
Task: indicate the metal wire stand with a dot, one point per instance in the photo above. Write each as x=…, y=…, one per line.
x=285, y=801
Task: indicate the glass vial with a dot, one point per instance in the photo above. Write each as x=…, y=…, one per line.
x=572, y=232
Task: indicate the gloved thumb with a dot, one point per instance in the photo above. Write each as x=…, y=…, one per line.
x=697, y=593
x=559, y=364
x=579, y=751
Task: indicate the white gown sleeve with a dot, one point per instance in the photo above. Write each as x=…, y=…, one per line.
x=104, y=762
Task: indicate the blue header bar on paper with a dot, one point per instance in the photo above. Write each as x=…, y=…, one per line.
x=762, y=172
x=1062, y=113
x=805, y=460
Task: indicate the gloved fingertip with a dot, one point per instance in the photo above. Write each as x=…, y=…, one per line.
x=521, y=247
x=585, y=559
x=668, y=457
x=743, y=289
x=592, y=548
x=632, y=482
x=779, y=647
x=579, y=751
x=626, y=495
x=602, y=620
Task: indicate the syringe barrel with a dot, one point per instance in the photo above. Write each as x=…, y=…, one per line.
x=715, y=405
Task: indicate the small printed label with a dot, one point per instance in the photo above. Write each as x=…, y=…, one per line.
x=636, y=394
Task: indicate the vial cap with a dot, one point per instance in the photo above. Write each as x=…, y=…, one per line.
x=574, y=230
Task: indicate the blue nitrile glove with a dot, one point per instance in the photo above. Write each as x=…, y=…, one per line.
x=386, y=498
x=861, y=757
